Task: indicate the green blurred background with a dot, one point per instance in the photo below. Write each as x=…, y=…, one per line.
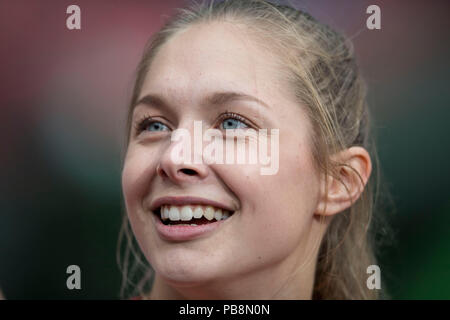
x=63, y=100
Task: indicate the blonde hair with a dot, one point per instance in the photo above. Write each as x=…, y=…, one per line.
x=320, y=67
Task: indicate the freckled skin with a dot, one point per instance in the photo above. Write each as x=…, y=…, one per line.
x=273, y=230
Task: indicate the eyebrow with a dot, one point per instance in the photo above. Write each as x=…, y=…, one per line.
x=214, y=99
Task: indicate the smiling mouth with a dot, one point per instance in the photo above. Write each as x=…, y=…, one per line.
x=191, y=215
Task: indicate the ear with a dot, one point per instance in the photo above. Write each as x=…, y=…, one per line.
x=353, y=171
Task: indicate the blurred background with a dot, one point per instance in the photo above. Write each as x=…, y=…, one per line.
x=63, y=99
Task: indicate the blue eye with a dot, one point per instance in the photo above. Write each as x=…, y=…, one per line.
x=149, y=124
x=156, y=126
x=231, y=123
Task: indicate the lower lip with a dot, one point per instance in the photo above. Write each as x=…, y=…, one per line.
x=184, y=233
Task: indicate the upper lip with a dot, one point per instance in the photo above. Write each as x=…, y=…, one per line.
x=186, y=200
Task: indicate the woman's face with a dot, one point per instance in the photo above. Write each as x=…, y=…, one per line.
x=270, y=227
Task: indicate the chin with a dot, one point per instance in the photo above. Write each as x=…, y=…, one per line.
x=185, y=279
x=185, y=272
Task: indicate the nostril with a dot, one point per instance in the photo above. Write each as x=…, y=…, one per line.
x=189, y=172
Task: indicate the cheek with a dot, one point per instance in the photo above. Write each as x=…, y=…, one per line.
x=130, y=182
x=136, y=180
x=277, y=210
x=137, y=174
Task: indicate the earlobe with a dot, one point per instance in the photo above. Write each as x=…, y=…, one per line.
x=353, y=168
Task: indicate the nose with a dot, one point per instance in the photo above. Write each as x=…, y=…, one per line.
x=169, y=168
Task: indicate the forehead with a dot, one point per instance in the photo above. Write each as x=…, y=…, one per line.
x=212, y=57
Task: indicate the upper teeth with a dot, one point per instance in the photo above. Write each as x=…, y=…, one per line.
x=187, y=213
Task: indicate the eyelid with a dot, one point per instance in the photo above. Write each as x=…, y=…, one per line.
x=227, y=115
x=146, y=120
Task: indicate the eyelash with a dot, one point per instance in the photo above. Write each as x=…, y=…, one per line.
x=142, y=124
x=145, y=121
x=232, y=115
